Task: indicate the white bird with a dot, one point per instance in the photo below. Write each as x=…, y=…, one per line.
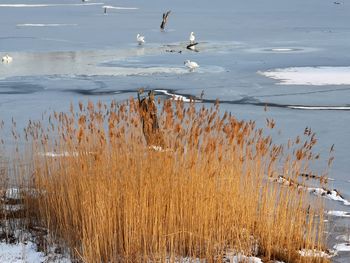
x=6, y=59
x=192, y=38
x=140, y=39
x=191, y=65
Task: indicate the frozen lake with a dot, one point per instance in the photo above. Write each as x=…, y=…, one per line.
x=292, y=56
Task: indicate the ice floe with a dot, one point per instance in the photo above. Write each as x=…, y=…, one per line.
x=345, y=238
x=44, y=25
x=177, y=96
x=329, y=194
x=322, y=192
x=96, y=63
x=119, y=7
x=47, y=5
x=338, y=213
x=318, y=107
x=310, y=75
x=342, y=247
x=281, y=49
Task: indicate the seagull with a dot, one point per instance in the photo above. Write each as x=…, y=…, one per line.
x=6, y=59
x=191, y=65
x=192, y=38
x=165, y=20
x=140, y=39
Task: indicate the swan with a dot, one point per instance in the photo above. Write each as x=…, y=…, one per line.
x=191, y=65
x=192, y=38
x=140, y=39
x=6, y=59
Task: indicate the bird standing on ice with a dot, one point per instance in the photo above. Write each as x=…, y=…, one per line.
x=192, y=38
x=191, y=65
x=140, y=39
x=6, y=59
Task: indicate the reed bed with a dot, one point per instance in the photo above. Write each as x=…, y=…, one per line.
x=108, y=197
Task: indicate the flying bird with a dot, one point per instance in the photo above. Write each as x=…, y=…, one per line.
x=165, y=20
x=6, y=59
x=192, y=38
x=140, y=39
x=191, y=65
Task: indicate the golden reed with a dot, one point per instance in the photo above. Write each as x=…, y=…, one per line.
x=109, y=197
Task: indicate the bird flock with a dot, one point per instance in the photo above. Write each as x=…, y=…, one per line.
x=191, y=65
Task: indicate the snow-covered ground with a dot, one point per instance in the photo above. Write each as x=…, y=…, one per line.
x=27, y=253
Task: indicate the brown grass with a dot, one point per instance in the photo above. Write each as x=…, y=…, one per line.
x=110, y=198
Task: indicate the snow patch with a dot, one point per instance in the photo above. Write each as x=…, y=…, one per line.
x=55, y=154
x=339, y=213
x=345, y=238
x=342, y=247
x=12, y=193
x=18, y=253
x=314, y=253
x=310, y=75
x=242, y=258
x=329, y=194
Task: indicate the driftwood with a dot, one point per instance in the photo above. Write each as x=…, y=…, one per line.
x=150, y=125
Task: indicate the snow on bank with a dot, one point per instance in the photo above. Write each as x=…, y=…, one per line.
x=239, y=258
x=27, y=252
x=242, y=258
x=20, y=253
x=310, y=75
x=314, y=253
